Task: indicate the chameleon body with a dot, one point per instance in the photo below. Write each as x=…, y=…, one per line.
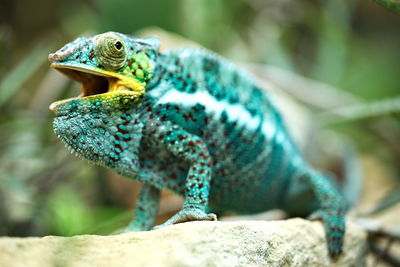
x=193, y=123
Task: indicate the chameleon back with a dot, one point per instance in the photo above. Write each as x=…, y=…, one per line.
x=253, y=155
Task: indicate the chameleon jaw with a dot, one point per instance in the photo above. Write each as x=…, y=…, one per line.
x=97, y=83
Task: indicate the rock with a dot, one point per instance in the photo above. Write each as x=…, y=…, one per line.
x=294, y=242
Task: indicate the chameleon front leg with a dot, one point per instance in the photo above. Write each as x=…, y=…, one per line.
x=190, y=148
x=146, y=209
x=331, y=209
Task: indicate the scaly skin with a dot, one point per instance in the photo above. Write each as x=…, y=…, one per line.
x=190, y=122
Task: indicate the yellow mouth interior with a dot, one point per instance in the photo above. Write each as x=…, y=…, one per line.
x=95, y=82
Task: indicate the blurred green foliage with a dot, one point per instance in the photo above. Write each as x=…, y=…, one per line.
x=67, y=214
x=350, y=45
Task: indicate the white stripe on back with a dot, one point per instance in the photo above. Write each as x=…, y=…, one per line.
x=235, y=112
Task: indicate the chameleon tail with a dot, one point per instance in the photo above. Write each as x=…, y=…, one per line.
x=336, y=194
x=331, y=209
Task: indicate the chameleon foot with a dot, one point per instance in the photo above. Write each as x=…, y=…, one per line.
x=335, y=227
x=186, y=215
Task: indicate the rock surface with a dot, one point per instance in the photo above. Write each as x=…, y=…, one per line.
x=294, y=242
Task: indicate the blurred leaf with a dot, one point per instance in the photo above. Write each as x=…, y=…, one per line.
x=77, y=18
x=110, y=219
x=372, y=68
x=333, y=33
x=129, y=16
x=18, y=198
x=393, y=5
x=14, y=80
x=67, y=213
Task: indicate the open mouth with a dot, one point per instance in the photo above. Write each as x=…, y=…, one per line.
x=98, y=82
x=93, y=82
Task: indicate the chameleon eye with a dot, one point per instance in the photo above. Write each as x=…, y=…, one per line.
x=118, y=45
x=110, y=51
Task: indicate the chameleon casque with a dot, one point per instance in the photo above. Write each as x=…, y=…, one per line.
x=193, y=123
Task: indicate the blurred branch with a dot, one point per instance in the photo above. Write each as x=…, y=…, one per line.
x=388, y=201
x=388, y=129
x=361, y=111
x=338, y=106
x=382, y=254
x=379, y=229
x=312, y=93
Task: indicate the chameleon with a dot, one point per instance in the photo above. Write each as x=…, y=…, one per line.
x=191, y=122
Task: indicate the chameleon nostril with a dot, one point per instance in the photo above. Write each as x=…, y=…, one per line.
x=53, y=57
x=57, y=56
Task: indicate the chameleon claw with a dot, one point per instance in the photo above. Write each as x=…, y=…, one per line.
x=187, y=215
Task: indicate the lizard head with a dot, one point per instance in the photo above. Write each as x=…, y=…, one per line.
x=107, y=65
x=102, y=125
